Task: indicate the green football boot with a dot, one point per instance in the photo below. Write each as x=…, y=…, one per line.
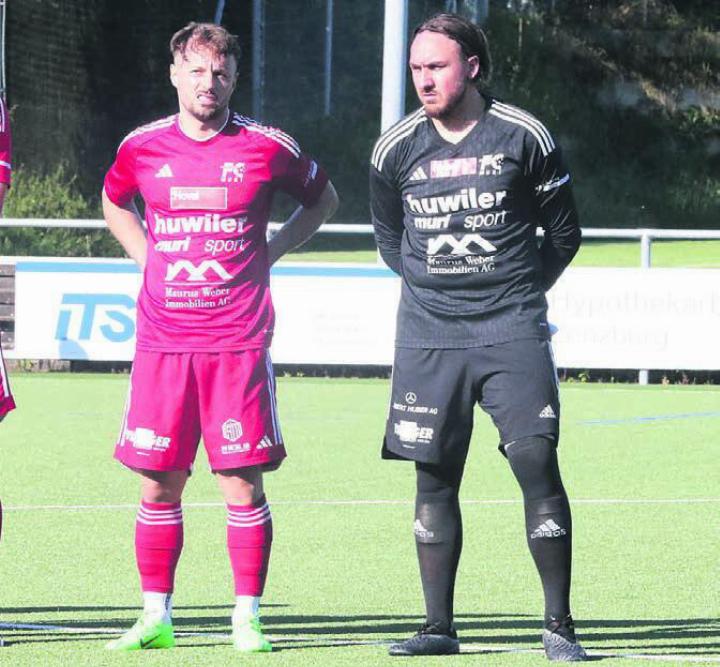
x=148, y=632
x=248, y=636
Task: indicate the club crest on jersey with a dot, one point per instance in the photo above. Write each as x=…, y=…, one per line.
x=491, y=164
x=199, y=198
x=232, y=172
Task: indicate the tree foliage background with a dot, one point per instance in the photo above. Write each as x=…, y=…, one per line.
x=630, y=88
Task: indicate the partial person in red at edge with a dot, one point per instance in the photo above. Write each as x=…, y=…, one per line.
x=6, y=398
x=205, y=319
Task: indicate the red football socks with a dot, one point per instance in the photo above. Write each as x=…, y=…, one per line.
x=158, y=543
x=249, y=538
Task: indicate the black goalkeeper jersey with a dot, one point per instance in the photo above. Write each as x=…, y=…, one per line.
x=458, y=222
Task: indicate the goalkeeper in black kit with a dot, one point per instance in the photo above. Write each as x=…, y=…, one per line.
x=457, y=191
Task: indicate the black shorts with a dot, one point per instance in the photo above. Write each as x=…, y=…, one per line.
x=434, y=392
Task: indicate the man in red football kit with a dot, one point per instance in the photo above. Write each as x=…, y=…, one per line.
x=205, y=318
x=6, y=400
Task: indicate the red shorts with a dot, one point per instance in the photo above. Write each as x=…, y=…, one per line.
x=6, y=399
x=228, y=398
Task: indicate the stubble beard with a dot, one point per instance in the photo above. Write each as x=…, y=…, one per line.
x=206, y=115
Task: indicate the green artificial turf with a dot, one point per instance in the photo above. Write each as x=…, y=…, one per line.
x=640, y=465
x=664, y=254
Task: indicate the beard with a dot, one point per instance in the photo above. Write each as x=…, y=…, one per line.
x=445, y=111
x=206, y=114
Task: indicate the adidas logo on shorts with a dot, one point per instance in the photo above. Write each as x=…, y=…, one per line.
x=265, y=443
x=547, y=412
x=548, y=529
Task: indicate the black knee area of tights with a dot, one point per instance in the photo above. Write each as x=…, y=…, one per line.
x=437, y=509
x=534, y=463
x=548, y=521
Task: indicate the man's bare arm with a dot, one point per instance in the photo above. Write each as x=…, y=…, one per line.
x=302, y=224
x=125, y=225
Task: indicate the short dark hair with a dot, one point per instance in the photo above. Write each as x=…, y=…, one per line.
x=470, y=38
x=209, y=35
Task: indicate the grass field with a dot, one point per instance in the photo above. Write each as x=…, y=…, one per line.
x=687, y=254
x=640, y=464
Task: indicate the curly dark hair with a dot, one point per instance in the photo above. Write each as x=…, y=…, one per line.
x=208, y=35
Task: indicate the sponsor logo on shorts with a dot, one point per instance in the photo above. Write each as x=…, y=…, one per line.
x=232, y=430
x=410, y=406
x=146, y=438
x=548, y=529
x=201, y=198
x=235, y=448
x=407, y=431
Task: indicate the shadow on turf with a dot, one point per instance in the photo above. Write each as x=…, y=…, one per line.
x=317, y=631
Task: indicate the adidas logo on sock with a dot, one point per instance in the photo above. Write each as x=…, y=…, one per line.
x=548, y=529
x=422, y=532
x=164, y=172
x=419, y=175
x=547, y=412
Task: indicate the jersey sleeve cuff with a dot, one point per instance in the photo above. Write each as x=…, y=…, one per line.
x=114, y=197
x=312, y=195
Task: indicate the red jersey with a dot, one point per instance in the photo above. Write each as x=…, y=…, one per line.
x=207, y=280
x=5, y=144
x=6, y=400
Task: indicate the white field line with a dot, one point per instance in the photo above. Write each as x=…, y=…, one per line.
x=615, y=388
x=322, y=641
x=352, y=503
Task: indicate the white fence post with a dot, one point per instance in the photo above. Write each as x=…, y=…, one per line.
x=645, y=263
